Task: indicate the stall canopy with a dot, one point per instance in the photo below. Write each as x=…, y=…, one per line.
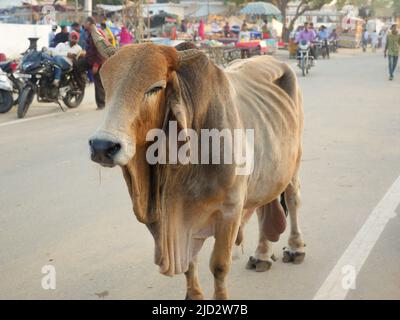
x=261, y=8
x=16, y=3
x=114, y=8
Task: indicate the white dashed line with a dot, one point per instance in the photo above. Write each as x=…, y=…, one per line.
x=9, y=123
x=359, y=249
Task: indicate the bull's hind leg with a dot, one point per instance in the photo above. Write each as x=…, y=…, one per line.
x=263, y=256
x=295, y=252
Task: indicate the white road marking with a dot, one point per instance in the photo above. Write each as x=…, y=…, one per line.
x=28, y=119
x=359, y=249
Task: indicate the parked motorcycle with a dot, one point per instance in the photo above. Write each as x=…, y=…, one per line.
x=38, y=73
x=304, y=57
x=10, y=86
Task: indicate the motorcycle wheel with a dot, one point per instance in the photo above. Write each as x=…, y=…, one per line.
x=18, y=86
x=73, y=100
x=25, y=101
x=303, y=67
x=6, y=101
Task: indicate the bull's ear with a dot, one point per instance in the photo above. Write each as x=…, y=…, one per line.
x=175, y=104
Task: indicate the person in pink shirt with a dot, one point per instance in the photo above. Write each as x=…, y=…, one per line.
x=201, y=29
x=125, y=37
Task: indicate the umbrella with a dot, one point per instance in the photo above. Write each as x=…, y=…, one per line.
x=261, y=8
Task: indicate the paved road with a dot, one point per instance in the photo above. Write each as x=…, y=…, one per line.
x=58, y=208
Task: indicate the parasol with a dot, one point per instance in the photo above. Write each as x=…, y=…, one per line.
x=261, y=8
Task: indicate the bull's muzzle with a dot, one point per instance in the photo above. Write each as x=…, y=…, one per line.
x=111, y=148
x=104, y=151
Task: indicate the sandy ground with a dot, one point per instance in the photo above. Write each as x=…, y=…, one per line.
x=58, y=208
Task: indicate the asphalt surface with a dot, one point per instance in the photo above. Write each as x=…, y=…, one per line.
x=58, y=208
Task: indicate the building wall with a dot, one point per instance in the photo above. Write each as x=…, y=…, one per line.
x=167, y=7
x=14, y=37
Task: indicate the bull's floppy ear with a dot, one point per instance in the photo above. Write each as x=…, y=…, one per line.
x=175, y=104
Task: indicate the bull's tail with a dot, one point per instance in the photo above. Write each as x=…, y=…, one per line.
x=283, y=204
x=287, y=81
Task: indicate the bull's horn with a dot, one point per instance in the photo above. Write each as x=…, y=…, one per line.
x=187, y=55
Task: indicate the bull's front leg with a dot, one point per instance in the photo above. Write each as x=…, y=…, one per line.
x=226, y=229
x=193, y=289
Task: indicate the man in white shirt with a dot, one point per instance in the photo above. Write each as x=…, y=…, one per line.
x=64, y=55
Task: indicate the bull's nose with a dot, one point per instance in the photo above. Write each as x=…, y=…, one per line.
x=103, y=151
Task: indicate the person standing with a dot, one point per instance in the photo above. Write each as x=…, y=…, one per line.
x=266, y=33
x=244, y=26
x=183, y=26
x=384, y=33
x=125, y=37
x=52, y=35
x=215, y=27
x=227, y=29
x=94, y=59
x=374, y=40
x=364, y=40
x=201, y=32
x=392, y=49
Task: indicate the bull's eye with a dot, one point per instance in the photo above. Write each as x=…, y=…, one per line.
x=153, y=90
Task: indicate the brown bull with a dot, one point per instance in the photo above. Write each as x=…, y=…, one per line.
x=147, y=86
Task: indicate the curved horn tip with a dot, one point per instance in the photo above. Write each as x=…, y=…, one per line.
x=189, y=54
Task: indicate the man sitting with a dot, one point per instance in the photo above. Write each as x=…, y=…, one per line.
x=308, y=36
x=64, y=54
x=323, y=35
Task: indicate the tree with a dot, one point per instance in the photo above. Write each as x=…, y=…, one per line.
x=302, y=7
x=396, y=7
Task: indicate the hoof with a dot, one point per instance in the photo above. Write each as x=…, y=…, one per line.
x=292, y=256
x=194, y=297
x=251, y=264
x=262, y=266
x=258, y=265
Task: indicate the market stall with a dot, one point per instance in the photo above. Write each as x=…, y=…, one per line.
x=352, y=28
x=221, y=53
x=252, y=48
x=266, y=11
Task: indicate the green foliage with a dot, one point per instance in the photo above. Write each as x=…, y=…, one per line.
x=396, y=7
x=95, y=2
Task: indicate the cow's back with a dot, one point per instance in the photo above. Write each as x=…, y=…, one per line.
x=259, y=74
x=265, y=92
